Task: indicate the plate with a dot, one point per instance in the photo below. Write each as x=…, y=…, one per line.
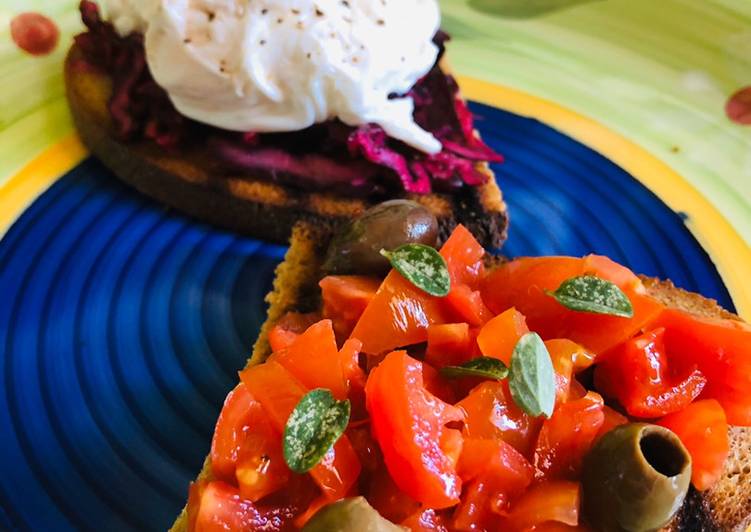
x=123, y=324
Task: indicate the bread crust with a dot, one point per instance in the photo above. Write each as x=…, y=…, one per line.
x=724, y=507
x=190, y=183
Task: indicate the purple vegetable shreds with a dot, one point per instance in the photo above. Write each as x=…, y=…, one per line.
x=332, y=155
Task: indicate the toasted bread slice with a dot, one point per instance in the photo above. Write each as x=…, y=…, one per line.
x=726, y=506
x=189, y=182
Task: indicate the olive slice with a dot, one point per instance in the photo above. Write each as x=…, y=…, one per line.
x=635, y=478
x=356, y=247
x=350, y=515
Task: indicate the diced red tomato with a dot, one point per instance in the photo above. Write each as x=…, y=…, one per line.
x=292, y=324
x=569, y=358
x=437, y=384
x=611, y=420
x=722, y=351
x=239, y=415
x=409, y=425
x=483, y=457
x=523, y=284
x=449, y=344
x=637, y=373
x=386, y=497
x=315, y=361
x=703, y=429
x=464, y=258
x=279, y=392
x=398, y=316
x=499, y=336
x=466, y=304
x=556, y=500
x=567, y=436
x=426, y=521
x=366, y=447
x=475, y=511
x=261, y=468
x=490, y=412
x=345, y=298
x=400, y=313
x=219, y=507
x=495, y=473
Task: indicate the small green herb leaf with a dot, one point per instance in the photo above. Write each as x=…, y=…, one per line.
x=314, y=426
x=485, y=367
x=532, y=380
x=423, y=266
x=588, y=293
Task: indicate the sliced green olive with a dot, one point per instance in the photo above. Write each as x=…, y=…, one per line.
x=635, y=478
x=349, y=515
x=388, y=225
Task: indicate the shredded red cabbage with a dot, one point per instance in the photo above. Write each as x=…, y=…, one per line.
x=362, y=160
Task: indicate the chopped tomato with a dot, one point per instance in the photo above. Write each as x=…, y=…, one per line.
x=466, y=304
x=315, y=361
x=449, y=344
x=261, y=468
x=703, y=429
x=464, y=258
x=556, y=500
x=612, y=419
x=220, y=507
x=567, y=436
x=426, y=521
x=386, y=497
x=345, y=298
x=722, y=350
x=524, y=283
x=568, y=359
x=437, y=385
x=239, y=415
x=491, y=413
x=637, y=373
x=398, y=316
x=292, y=324
x=475, y=511
x=365, y=446
x=400, y=313
x=409, y=424
x=279, y=392
x=499, y=336
x=495, y=473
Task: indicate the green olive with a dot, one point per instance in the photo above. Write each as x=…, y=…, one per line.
x=349, y=515
x=635, y=478
x=388, y=225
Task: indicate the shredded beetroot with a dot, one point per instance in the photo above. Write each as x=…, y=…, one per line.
x=332, y=155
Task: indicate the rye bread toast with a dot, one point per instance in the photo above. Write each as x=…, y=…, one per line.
x=189, y=182
x=726, y=506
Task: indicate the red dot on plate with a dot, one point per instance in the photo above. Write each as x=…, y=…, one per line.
x=34, y=33
x=738, y=106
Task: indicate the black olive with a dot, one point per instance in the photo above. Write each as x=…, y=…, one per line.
x=388, y=225
x=635, y=478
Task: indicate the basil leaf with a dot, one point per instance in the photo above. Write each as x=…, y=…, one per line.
x=486, y=367
x=532, y=379
x=421, y=265
x=314, y=426
x=588, y=293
